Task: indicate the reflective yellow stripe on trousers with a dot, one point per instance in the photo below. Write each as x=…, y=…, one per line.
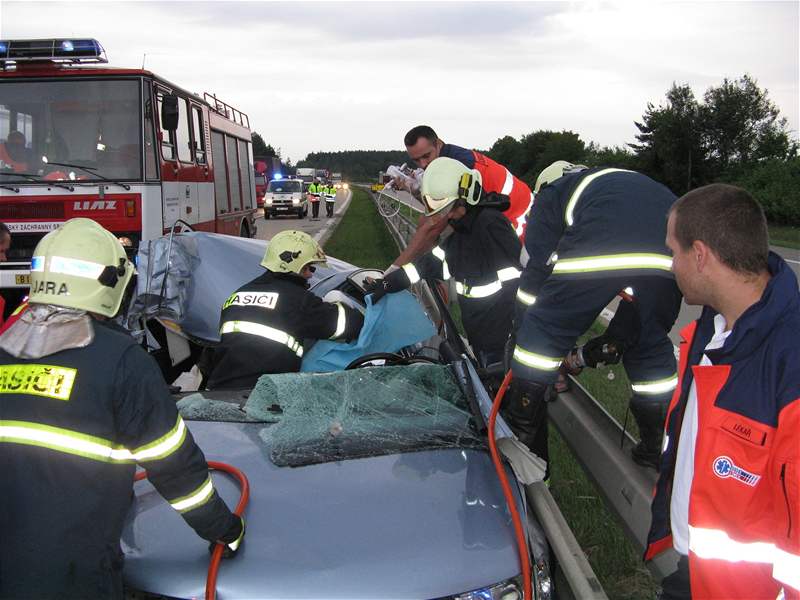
x=660, y=386
x=265, y=331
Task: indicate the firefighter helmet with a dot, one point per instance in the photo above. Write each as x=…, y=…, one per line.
x=290, y=251
x=447, y=180
x=554, y=171
x=81, y=265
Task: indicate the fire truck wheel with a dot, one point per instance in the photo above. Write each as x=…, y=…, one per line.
x=244, y=231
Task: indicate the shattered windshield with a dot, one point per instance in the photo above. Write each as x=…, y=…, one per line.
x=320, y=417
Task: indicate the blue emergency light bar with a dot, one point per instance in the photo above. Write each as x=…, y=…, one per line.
x=278, y=176
x=53, y=50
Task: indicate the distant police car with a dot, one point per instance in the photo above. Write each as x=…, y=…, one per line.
x=285, y=197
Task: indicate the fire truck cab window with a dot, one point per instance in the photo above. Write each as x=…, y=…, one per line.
x=199, y=136
x=94, y=124
x=231, y=156
x=220, y=172
x=183, y=139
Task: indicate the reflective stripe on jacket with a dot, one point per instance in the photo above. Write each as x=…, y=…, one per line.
x=497, y=178
x=596, y=223
x=744, y=505
x=264, y=323
x=72, y=429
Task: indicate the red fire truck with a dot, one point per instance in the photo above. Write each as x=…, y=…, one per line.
x=124, y=147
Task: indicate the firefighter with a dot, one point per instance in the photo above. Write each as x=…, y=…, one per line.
x=481, y=255
x=83, y=404
x=265, y=322
x=591, y=234
x=314, y=192
x=423, y=147
x=330, y=198
x=13, y=154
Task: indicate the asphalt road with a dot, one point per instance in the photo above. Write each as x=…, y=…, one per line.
x=319, y=230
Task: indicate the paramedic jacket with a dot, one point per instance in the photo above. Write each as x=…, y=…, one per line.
x=596, y=223
x=498, y=179
x=73, y=427
x=263, y=325
x=744, y=503
x=482, y=256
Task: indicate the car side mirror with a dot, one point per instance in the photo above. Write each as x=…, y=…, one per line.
x=169, y=112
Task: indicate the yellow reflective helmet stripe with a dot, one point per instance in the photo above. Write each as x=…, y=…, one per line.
x=68, y=266
x=612, y=262
x=537, y=361
x=660, y=386
x=265, y=331
x=411, y=273
x=573, y=199
x=163, y=446
x=341, y=321
x=63, y=440
x=39, y=380
x=195, y=499
x=525, y=297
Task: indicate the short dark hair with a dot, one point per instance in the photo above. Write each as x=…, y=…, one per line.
x=424, y=131
x=729, y=221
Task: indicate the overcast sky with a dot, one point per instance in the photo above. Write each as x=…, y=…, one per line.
x=358, y=75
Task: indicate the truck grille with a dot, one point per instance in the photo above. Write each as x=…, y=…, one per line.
x=31, y=210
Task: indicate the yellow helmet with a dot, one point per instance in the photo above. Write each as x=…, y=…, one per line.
x=290, y=251
x=554, y=171
x=446, y=180
x=80, y=265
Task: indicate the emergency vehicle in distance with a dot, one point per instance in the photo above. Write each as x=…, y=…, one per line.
x=266, y=168
x=123, y=147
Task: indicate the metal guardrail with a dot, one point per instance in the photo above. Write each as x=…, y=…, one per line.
x=578, y=574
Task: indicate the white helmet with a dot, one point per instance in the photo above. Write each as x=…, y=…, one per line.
x=554, y=171
x=447, y=180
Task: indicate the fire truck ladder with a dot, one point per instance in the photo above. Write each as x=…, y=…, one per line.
x=226, y=110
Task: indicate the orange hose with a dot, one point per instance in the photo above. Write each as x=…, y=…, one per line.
x=244, y=497
x=522, y=546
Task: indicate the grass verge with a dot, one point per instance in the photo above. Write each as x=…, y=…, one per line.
x=784, y=235
x=361, y=237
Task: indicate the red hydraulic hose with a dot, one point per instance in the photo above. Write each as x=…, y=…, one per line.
x=522, y=546
x=244, y=496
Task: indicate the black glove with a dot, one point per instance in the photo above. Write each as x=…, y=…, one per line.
x=232, y=540
x=602, y=350
x=377, y=288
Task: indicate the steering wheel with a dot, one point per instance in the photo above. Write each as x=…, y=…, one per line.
x=389, y=358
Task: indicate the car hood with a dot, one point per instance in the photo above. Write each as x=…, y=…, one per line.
x=414, y=525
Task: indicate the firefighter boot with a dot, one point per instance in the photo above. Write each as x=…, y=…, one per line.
x=649, y=417
x=525, y=411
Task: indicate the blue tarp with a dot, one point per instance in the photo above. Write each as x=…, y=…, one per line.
x=396, y=321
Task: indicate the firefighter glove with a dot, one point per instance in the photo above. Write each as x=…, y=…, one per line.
x=232, y=540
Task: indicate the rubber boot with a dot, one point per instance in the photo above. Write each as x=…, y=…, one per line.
x=650, y=415
x=525, y=411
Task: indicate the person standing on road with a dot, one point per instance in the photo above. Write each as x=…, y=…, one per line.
x=314, y=192
x=591, y=234
x=728, y=494
x=83, y=404
x=265, y=322
x=423, y=147
x=330, y=198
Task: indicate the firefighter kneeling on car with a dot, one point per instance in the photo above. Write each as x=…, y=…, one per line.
x=82, y=405
x=265, y=322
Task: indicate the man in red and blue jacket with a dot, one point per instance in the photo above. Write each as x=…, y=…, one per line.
x=423, y=147
x=728, y=494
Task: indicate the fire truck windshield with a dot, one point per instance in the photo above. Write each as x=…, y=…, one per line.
x=94, y=125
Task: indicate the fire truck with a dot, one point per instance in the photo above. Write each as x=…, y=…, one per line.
x=124, y=147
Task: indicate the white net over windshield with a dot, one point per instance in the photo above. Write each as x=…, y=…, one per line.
x=362, y=412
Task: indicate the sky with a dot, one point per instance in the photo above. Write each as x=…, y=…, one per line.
x=327, y=76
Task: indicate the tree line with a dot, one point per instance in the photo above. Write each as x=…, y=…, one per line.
x=733, y=134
